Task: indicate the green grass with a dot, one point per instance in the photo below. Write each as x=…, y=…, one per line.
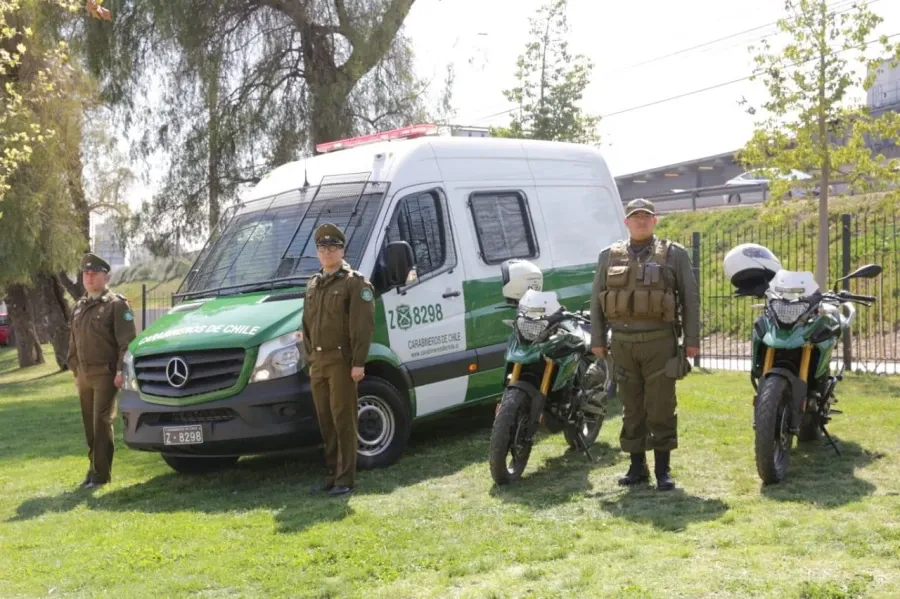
x=434, y=526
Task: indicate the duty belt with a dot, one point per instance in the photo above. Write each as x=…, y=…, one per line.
x=635, y=337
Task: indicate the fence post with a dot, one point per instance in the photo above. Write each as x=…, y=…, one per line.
x=143, y=306
x=845, y=270
x=695, y=263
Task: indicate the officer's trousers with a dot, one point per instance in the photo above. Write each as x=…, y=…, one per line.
x=98, y=411
x=335, y=397
x=649, y=405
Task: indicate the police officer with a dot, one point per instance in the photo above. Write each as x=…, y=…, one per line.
x=102, y=328
x=644, y=291
x=338, y=321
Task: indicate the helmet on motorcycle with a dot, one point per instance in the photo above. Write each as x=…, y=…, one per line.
x=518, y=277
x=750, y=267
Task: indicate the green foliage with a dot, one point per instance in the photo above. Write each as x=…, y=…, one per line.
x=551, y=83
x=812, y=123
x=244, y=86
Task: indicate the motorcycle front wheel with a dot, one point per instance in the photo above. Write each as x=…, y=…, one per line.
x=509, y=453
x=774, y=438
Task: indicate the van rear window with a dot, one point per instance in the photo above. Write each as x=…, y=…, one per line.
x=503, y=224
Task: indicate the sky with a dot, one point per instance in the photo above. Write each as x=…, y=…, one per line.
x=482, y=38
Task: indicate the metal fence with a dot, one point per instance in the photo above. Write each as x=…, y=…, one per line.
x=874, y=343
x=152, y=305
x=873, y=346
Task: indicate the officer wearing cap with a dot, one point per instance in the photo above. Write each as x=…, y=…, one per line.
x=338, y=321
x=102, y=327
x=645, y=292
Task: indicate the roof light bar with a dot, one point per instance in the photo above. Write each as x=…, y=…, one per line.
x=401, y=133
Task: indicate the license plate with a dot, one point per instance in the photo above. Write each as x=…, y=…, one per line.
x=183, y=435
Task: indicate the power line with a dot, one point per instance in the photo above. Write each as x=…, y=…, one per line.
x=698, y=91
x=731, y=36
x=685, y=50
x=727, y=83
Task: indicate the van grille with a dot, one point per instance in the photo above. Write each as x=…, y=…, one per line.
x=214, y=416
x=207, y=371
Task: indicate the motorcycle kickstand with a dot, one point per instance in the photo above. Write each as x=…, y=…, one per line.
x=830, y=440
x=584, y=447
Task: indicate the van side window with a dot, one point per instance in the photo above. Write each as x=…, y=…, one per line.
x=422, y=221
x=503, y=226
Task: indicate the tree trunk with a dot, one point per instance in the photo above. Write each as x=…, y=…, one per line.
x=824, y=141
x=212, y=172
x=330, y=121
x=30, y=352
x=56, y=314
x=75, y=288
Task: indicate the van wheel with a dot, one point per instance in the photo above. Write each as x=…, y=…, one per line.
x=190, y=465
x=384, y=424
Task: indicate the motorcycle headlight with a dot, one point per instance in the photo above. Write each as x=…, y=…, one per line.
x=530, y=329
x=279, y=357
x=788, y=313
x=130, y=381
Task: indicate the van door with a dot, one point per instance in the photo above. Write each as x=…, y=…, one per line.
x=426, y=317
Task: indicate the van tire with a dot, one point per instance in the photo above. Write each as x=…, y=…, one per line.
x=191, y=465
x=383, y=411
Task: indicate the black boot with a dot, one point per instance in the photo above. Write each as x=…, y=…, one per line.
x=638, y=472
x=664, y=480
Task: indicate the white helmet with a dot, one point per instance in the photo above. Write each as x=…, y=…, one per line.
x=750, y=267
x=518, y=277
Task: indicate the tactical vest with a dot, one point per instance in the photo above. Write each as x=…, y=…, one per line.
x=637, y=290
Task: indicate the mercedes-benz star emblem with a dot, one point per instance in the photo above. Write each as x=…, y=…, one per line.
x=177, y=372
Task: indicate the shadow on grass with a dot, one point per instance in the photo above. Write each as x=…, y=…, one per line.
x=558, y=480
x=280, y=482
x=818, y=476
x=671, y=511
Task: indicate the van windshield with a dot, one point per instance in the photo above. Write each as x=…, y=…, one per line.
x=267, y=243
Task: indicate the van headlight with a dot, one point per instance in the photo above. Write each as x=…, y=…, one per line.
x=279, y=357
x=130, y=381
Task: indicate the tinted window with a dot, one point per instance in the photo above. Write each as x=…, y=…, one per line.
x=421, y=220
x=503, y=225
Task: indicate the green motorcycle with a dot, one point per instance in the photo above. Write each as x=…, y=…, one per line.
x=792, y=346
x=553, y=380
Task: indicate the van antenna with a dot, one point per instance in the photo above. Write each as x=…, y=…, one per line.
x=305, y=179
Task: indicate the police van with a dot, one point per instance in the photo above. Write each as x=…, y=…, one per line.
x=429, y=219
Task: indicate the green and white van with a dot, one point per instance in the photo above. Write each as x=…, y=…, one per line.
x=429, y=219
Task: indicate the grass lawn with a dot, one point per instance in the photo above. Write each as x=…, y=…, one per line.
x=434, y=526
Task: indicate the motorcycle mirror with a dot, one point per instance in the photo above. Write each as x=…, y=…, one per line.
x=869, y=271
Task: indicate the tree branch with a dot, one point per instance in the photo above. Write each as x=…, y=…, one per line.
x=368, y=52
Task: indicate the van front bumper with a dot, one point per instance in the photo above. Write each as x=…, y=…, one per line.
x=266, y=416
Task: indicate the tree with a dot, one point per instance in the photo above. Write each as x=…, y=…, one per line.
x=813, y=123
x=44, y=93
x=246, y=85
x=551, y=83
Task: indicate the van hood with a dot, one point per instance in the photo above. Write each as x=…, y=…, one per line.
x=243, y=321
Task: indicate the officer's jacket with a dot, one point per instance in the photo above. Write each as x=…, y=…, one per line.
x=101, y=330
x=640, y=289
x=339, y=316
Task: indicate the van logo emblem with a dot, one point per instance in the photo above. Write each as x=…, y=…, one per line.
x=177, y=372
x=404, y=317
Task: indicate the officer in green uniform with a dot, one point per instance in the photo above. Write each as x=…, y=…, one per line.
x=644, y=291
x=102, y=327
x=338, y=321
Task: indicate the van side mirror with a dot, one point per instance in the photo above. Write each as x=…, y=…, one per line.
x=399, y=261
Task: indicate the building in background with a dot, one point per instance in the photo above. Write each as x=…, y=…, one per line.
x=105, y=243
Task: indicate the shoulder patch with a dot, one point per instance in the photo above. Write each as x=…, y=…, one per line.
x=366, y=294
x=129, y=316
